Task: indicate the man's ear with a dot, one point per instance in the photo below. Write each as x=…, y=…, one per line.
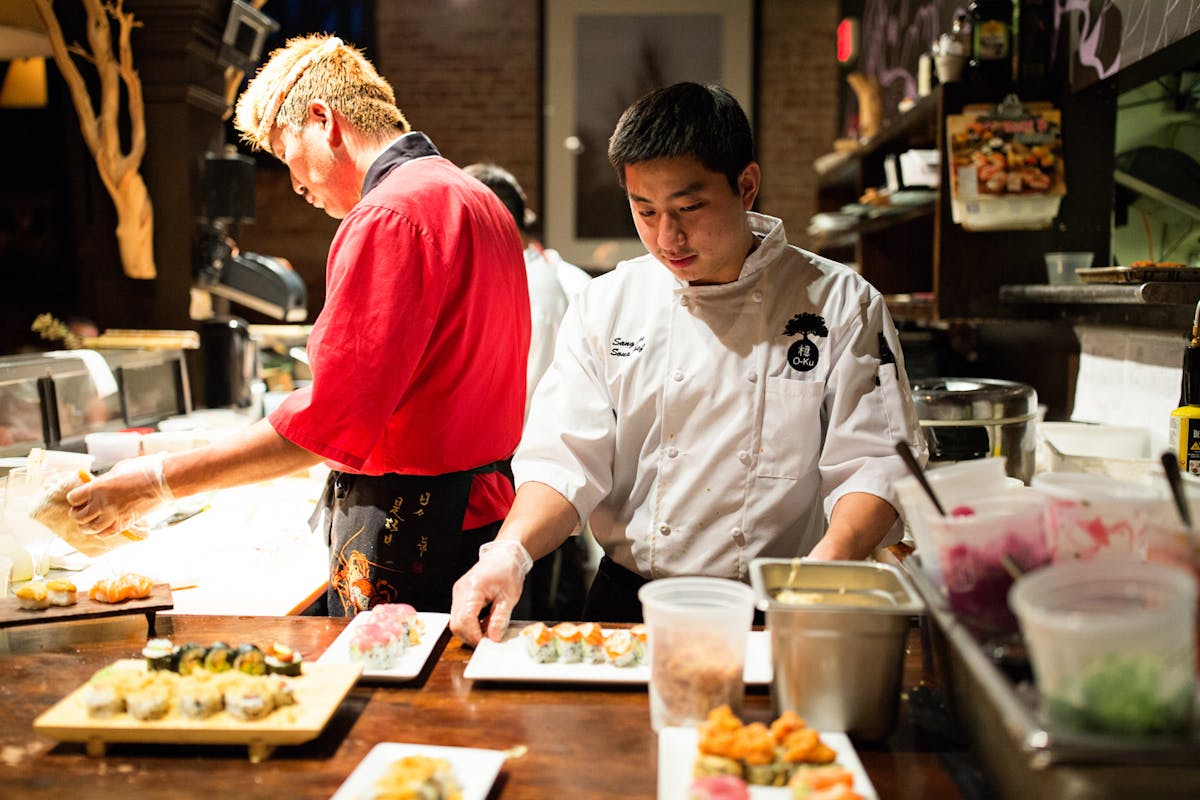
x=320, y=112
x=748, y=184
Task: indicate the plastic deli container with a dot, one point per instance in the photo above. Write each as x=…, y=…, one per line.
x=981, y=550
x=1112, y=646
x=1096, y=516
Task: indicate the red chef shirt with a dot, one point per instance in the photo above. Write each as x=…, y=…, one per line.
x=418, y=356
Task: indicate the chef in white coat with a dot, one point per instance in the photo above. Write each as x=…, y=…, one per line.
x=724, y=397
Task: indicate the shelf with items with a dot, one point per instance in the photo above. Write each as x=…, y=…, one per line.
x=1155, y=304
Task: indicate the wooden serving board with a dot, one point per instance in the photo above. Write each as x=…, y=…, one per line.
x=12, y=615
x=319, y=690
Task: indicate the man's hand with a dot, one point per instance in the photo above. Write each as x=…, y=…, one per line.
x=118, y=499
x=497, y=578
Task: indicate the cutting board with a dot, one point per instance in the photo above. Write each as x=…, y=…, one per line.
x=12, y=615
x=319, y=690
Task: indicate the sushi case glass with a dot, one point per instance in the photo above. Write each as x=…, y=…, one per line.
x=697, y=631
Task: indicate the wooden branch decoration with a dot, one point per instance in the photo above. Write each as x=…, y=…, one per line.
x=233, y=76
x=101, y=132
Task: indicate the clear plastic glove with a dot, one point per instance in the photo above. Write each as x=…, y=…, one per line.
x=497, y=578
x=117, y=500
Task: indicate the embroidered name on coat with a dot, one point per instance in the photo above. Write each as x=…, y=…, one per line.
x=624, y=348
x=804, y=354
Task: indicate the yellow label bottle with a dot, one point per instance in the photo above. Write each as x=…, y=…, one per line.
x=1184, y=437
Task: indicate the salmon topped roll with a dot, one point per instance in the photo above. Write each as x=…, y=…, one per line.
x=591, y=640
x=621, y=648
x=569, y=642
x=539, y=641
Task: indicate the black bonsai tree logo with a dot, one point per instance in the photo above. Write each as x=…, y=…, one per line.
x=803, y=354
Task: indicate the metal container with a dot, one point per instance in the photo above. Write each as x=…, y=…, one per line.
x=966, y=418
x=1020, y=754
x=837, y=640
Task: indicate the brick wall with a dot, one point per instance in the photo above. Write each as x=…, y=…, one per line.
x=468, y=73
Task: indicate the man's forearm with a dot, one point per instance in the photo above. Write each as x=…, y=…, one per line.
x=856, y=527
x=257, y=453
x=540, y=519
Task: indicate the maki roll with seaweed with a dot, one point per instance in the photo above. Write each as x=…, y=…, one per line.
x=250, y=660
x=219, y=658
x=283, y=660
x=159, y=654
x=189, y=658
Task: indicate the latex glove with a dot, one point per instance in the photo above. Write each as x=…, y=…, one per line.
x=118, y=499
x=497, y=578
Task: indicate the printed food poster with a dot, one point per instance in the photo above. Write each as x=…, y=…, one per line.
x=1006, y=167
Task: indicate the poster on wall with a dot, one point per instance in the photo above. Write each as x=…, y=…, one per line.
x=1006, y=165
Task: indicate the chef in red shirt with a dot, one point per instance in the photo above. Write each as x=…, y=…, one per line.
x=418, y=356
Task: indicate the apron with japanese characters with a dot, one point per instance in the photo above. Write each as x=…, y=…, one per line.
x=399, y=538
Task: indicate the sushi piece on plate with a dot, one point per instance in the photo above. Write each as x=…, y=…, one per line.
x=283, y=660
x=159, y=654
x=539, y=642
x=719, y=787
x=62, y=592
x=33, y=596
x=151, y=702
x=418, y=776
x=639, y=643
x=190, y=658
x=219, y=658
x=250, y=660
x=374, y=646
x=199, y=696
x=569, y=642
x=249, y=698
x=621, y=648
x=591, y=639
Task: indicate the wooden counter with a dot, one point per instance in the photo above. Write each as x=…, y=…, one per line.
x=583, y=742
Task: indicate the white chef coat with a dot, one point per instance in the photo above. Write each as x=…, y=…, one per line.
x=673, y=420
x=548, y=302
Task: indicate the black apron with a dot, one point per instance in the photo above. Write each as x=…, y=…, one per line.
x=399, y=538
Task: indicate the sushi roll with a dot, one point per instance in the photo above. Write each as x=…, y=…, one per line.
x=568, y=641
x=639, y=643
x=539, y=642
x=199, y=696
x=591, y=639
x=219, y=658
x=151, y=702
x=189, y=658
x=250, y=660
x=33, y=597
x=103, y=698
x=373, y=646
x=283, y=660
x=281, y=692
x=159, y=654
x=249, y=699
x=62, y=593
x=620, y=648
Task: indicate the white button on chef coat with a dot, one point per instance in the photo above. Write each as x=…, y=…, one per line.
x=613, y=404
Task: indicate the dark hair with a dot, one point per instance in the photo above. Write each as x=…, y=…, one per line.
x=505, y=186
x=685, y=119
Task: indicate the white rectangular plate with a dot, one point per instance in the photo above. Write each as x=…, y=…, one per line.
x=408, y=666
x=508, y=660
x=475, y=769
x=677, y=754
